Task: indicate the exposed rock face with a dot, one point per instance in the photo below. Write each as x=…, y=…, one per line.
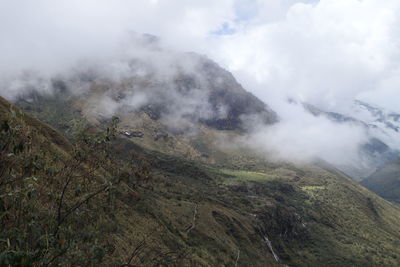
x=207, y=94
x=164, y=84
x=226, y=92
x=280, y=221
x=193, y=89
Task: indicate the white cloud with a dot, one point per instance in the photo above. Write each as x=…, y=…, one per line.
x=303, y=137
x=49, y=34
x=326, y=52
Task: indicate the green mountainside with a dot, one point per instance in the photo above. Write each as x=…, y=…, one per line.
x=101, y=197
x=169, y=182
x=385, y=181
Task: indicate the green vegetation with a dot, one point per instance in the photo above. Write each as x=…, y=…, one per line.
x=140, y=202
x=55, y=196
x=247, y=176
x=93, y=202
x=336, y=222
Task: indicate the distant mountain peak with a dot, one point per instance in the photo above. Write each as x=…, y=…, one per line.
x=382, y=128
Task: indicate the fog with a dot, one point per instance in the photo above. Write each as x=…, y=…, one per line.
x=326, y=53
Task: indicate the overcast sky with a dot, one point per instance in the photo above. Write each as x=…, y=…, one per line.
x=326, y=52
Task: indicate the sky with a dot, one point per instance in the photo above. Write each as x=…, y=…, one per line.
x=327, y=53
x=324, y=52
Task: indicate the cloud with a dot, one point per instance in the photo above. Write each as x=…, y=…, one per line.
x=49, y=35
x=323, y=52
x=326, y=53
x=302, y=137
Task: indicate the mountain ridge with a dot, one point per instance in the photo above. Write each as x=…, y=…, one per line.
x=376, y=152
x=212, y=203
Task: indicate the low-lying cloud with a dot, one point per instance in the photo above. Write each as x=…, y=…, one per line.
x=304, y=137
x=327, y=53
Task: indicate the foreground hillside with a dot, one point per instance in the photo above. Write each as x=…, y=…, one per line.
x=133, y=200
x=386, y=181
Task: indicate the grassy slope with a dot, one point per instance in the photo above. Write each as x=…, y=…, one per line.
x=347, y=225
x=313, y=215
x=152, y=219
x=386, y=181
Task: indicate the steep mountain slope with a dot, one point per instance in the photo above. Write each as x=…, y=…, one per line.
x=230, y=206
x=168, y=183
x=91, y=203
x=386, y=181
x=53, y=196
x=167, y=110
x=178, y=88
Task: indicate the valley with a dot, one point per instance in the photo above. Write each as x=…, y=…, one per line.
x=210, y=204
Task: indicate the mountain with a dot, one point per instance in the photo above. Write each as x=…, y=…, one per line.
x=386, y=121
x=189, y=212
x=175, y=110
x=88, y=201
x=167, y=183
x=385, y=181
x=383, y=138
x=178, y=87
